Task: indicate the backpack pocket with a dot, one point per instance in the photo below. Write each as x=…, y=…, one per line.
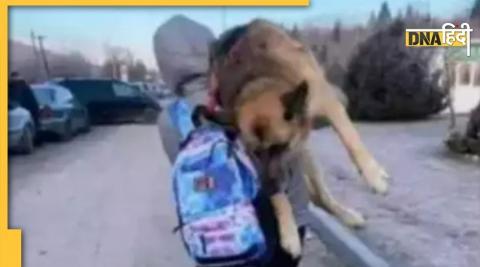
x=231, y=235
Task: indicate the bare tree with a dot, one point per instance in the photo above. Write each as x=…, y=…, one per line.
x=116, y=57
x=70, y=65
x=24, y=59
x=137, y=72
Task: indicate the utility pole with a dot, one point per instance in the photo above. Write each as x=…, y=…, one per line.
x=35, y=51
x=34, y=46
x=44, y=56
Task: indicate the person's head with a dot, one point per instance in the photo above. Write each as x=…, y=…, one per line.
x=14, y=75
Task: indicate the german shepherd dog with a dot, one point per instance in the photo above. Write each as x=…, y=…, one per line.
x=270, y=89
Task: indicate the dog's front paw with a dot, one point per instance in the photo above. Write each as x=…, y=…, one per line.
x=290, y=242
x=376, y=177
x=352, y=218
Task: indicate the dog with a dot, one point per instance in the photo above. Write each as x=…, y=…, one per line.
x=271, y=90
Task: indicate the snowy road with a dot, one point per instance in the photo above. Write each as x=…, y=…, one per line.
x=101, y=200
x=104, y=199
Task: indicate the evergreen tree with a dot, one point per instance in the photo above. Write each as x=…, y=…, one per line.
x=372, y=21
x=337, y=31
x=399, y=15
x=295, y=32
x=322, y=55
x=385, y=16
x=387, y=81
x=475, y=10
x=409, y=13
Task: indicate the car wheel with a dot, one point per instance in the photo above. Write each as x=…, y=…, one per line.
x=150, y=115
x=86, y=125
x=67, y=131
x=27, y=141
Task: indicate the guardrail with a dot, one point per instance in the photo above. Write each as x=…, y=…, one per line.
x=341, y=241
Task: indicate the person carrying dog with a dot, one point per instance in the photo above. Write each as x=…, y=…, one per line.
x=193, y=88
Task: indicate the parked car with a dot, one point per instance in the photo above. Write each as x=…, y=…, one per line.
x=156, y=90
x=143, y=89
x=21, y=129
x=112, y=100
x=60, y=112
x=164, y=90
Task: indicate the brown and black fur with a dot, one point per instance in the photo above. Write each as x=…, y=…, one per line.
x=271, y=89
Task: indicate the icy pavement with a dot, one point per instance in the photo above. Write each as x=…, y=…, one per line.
x=431, y=216
x=104, y=199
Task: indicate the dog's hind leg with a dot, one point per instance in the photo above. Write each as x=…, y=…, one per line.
x=369, y=168
x=289, y=237
x=321, y=196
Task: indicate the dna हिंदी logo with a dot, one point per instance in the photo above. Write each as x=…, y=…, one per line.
x=448, y=35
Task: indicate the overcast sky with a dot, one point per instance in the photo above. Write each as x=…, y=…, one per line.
x=90, y=30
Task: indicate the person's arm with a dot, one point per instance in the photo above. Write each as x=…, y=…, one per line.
x=169, y=136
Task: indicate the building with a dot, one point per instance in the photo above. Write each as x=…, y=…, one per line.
x=466, y=89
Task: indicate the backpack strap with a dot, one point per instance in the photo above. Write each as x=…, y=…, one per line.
x=180, y=113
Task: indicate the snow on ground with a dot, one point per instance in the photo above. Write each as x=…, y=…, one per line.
x=104, y=199
x=431, y=217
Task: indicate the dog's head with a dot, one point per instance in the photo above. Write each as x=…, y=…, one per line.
x=271, y=117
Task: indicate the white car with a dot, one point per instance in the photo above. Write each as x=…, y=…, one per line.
x=21, y=129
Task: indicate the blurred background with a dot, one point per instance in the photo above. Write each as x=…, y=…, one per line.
x=129, y=43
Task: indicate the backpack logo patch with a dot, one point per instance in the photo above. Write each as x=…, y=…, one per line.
x=204, y=183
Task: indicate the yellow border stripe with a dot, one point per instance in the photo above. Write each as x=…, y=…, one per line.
x=10, y=248
x=159, y=3
x=11, y=240
x=3, y=121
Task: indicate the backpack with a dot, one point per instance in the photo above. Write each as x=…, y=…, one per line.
x=215, y=184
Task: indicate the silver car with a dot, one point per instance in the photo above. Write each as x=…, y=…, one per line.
x=60, y=112
x=21, y=129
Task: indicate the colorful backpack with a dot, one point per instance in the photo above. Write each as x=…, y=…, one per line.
x=214, y=184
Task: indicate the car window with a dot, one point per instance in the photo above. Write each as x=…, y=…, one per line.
x=87, y=91
x=63, y=95
x=137, y=87
x=124, y=90
x=44, y=95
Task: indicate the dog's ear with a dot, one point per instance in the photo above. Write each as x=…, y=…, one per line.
x=295, y=101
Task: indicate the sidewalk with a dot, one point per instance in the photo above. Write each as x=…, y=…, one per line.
x=430, y=216
x=315, y=254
